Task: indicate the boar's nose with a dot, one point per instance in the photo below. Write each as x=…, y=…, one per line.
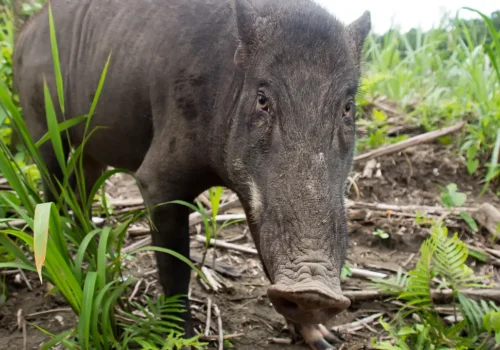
x=307, y=303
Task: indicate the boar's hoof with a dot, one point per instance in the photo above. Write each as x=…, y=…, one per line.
x=317, y=337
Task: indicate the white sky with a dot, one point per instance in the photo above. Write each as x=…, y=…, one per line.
x=406, y=14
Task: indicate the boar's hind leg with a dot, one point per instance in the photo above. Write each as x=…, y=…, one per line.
x=170, y=229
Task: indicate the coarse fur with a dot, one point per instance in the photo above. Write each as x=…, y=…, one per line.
x=257, y=96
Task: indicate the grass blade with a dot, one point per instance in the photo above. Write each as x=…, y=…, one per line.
x=41, y=233
x=52, y=124
x=87, y=307
x=55, y=57
x=63, y=126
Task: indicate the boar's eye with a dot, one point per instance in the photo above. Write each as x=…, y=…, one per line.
x=348, y=109
x=262, y=102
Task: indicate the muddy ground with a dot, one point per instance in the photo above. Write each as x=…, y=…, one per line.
x=412, y=177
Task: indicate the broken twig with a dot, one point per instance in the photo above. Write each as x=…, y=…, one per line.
x=409, y=208
x=354, y=326
x=210, y=278
x=219, y=326
x=209, y=316
x=284, y=341
x=438, y=296
x=366, y=273
x=413, y=141
x=222, y=244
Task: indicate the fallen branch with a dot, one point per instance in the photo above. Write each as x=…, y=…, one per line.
x=221, y=244
x=46, y=312
x=216, y=337
x=366, y=273
x=413, y=141
x=438, y=296
x=354, y=326
x=410, y=208
x=209, y=316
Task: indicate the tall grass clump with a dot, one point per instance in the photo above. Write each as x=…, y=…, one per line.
x=447, y=74
x=60, y=242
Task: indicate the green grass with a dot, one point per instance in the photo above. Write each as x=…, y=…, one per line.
x=418, y=324
x=437, y=78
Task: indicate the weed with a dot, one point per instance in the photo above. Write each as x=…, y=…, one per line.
x=380, y=233
x=443, y=259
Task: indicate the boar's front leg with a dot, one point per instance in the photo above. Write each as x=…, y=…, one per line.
x=170, y=229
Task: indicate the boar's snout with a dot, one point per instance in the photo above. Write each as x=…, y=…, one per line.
x=307, y=303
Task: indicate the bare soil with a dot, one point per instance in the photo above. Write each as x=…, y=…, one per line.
x=412, y=177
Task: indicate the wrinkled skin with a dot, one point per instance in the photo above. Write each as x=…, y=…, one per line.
x=257, y=96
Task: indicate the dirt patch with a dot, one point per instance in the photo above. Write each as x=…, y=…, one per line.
x=37, y=307
x=409, y=178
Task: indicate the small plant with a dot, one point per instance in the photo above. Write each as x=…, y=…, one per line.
x=155, y=320
x=442, y=258
x=212, y=228
x=381, y=233
x=451, y=197
x=346, y=271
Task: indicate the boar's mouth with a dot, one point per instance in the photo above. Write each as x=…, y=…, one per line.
x=309, y=302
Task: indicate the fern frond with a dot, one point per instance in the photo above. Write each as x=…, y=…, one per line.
x=152, y=321
x=393, y=284
x=418, y=288
x=449, y=260
x=473, y=312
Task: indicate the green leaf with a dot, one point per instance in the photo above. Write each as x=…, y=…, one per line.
x=55, y=136
x=84, y=318
x=58, y=339
x=478, y=254
x=65, y=125
x=453, y=198
x=406, y=331
x=469, y=220
x=175, y=254
x=101, y=256
x=41, y=233
x=55, y=57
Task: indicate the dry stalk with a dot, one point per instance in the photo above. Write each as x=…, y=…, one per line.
x=209, y=316
x=353, y=326
x=219, y=326
x=412, y=141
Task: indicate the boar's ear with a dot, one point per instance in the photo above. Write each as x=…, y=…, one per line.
x=358, y=30
x=247, y=21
